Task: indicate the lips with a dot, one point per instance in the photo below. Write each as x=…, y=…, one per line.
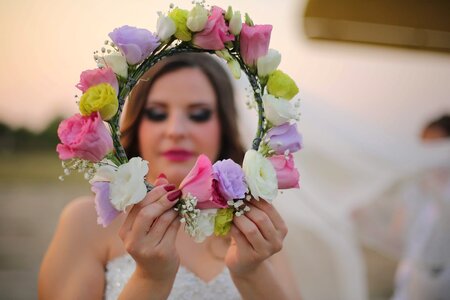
x=178, y=155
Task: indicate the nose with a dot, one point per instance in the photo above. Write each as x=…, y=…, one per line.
x=176, y=126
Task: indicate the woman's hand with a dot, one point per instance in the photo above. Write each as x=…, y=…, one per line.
x=256, y=236
x=149, y=233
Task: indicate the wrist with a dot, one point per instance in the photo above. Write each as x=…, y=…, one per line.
x=142, y=286
x=260, y=283
x=159, y=278
x=251, y=273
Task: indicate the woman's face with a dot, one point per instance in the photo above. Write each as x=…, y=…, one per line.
x=180, y=122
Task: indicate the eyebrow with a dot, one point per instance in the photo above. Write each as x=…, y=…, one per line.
x=201, y=104
x=193, y=105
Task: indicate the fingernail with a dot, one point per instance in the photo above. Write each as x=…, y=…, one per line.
x=162, y=175
x=170, y=187
x=172, y=196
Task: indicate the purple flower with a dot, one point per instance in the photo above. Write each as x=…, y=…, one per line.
x=230, y=179
x=284, y=137
x=135, y=43
x=105, y=211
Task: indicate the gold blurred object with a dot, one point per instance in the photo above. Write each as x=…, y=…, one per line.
x=414, y=23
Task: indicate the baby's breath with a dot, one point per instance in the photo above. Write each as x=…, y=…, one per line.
x=79, y=166
x=189, y=214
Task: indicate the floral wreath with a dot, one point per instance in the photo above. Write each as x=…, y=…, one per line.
x=212, y=194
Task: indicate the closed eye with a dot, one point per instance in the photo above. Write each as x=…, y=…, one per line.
x=200, y=115
x=155, y=114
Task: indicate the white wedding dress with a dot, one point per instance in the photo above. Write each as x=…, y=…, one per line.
x=186, y=286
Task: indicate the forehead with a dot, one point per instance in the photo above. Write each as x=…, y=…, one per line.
x=182, y=86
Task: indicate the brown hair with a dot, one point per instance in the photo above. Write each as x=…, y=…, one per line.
x=230, y=145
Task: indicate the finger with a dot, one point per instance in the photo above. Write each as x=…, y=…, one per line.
x=152, y=196
x=160, y=226
x=161, y=179
x=170, y=235
x=271, y=211
x=239, y=238
x=147, y=215
x=250, y=231
x=262, y=221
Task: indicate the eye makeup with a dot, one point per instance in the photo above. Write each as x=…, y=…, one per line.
x=155, y=114
x=200, y=115
x=195, y=113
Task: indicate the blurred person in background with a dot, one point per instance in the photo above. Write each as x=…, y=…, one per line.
x=424, y=270
x=437, y=129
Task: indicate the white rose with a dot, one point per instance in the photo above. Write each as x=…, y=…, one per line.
x=278, y=110
x=205, y=225
x=116, y=61
x=197, y=18
x=165, y=27
x=260, y=175
x=235, y=23
x=268, y=63
x=127, y=185
x=104, y=173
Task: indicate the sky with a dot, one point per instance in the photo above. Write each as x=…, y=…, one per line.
x=47, y=44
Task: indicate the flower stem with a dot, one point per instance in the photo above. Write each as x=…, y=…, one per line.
x=257, y=92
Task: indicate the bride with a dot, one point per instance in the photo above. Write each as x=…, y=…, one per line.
x=182, y=108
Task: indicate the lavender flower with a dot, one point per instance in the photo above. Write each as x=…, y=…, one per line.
x=230, y=178
x=284, y=139
x=135, y=43
x=105, y=211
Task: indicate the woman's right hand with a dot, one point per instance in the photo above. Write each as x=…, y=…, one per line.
x=149, y=233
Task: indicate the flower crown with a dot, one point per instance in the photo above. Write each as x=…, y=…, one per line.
x=212, y=194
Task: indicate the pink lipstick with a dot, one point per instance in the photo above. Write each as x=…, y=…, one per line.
x=178, y=155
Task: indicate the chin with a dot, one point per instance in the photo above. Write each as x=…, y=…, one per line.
x=176, y=173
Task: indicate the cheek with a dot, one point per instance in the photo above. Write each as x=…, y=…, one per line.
x=145, y=139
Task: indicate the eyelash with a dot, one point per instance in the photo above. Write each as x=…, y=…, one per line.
x=157, y=115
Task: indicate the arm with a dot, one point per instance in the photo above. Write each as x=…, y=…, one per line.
x=149, y=234
x=72, y=267
x=272, y=279
x=257, y=269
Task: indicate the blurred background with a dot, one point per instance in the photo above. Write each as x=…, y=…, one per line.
x=371, y=74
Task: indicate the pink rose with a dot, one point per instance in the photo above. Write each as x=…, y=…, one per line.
x=215, y=33
x=199, y=183
x=287, y=174
x=254, y=42
x=84, y=137
x=94, y=77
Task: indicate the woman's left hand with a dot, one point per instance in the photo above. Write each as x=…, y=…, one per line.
x=256, y=236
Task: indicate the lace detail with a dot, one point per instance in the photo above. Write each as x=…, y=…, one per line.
x=186, y=286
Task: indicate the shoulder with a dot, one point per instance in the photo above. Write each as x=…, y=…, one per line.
x=79, y=217
x=79, y=208
x=77, y=253
x=78, y=222
x=79, y=212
